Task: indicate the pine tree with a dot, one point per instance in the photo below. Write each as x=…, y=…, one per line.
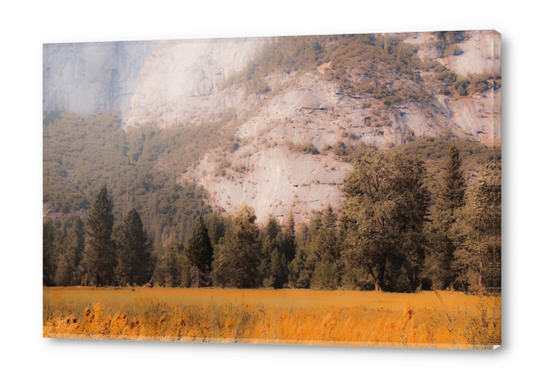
x=98, y=257
x=199, y=250
x=278, y=269
x=300, y=270
x=440, y=252
x=477, y=232
x=272, y=228
x=271, y=239
x=451, y=193
x=289, y=237
x=79, y=238
x=75, y=245
x=440, y=247
x=64, y=271
x=326, y=248
x=329, y=219
x=133, y=251
x=236, y=261
x=167, y=271
x=49, y=256
x=216, y=228
x=325, y=277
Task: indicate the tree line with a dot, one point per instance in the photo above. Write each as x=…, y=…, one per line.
x=386, y=238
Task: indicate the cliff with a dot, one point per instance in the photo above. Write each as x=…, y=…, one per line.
x=172, y=84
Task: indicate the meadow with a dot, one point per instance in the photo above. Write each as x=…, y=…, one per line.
x=348, y=318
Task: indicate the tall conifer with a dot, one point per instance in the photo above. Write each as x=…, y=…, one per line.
x=199, y=250
x=133, y=251
x=98, y=258
x=451, y=194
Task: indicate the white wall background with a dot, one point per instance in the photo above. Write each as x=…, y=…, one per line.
x=25, y=26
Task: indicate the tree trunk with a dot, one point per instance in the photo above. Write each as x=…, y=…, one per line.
x=379, y=282
x=481, y=274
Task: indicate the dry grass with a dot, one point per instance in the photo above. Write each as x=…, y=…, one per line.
x=445, y=320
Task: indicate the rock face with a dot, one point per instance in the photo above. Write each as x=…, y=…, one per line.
x=180, y=78
x=481, y=52
x=313, y=110
x=92, y=77
x=174, y=83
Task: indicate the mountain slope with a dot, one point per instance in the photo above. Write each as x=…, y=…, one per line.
x=271, y=122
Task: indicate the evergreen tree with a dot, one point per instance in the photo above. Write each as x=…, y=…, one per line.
x=452, y=188
x=199, y=250
x=279, y=269
x=272, y=239
x=384, y=214
x=326, y=248
x=440, y=252
x=78, y=244
x=98, y=257
x=440, y=246
x=477, y=232
x=49, y=256
x=133, y=251
x=216, y=228
x=236, y=260
x=272, y=228
x=289, y=237
x=298, y=272
x=64, y=271
x=329, y=219
x=167, y=272
x=325, y=276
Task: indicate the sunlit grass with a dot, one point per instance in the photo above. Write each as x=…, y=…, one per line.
x=430, y=319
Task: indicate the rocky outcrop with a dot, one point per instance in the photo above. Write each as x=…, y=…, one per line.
x=273, y=182
x=481, y=52
x=180, y=80
x=92, y=77
x=174, y=83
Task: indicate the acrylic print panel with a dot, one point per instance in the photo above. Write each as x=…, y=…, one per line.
x=328, y=190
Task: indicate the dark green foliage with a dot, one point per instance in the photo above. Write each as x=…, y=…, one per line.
x=446, y=43
x=134, y=263
x=307, y=148
x=300, y=269
x=99, y=254
x=217, y=227
x=199, y=249
x=167, y=272
x=77, y=240
x=49, y=255
x=140, y=168
x=461, y=85
x=383, y=216
x=64, y=271
x=326, y=244
x=478, y=232
x=88, y=150
x=289, y=238
x=236, y=259
x=325, y=276
x=272, y=241
x=278, y=269
x=434, y=151
x=452, y=188
x=440, y=247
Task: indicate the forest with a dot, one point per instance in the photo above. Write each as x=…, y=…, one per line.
x=387, y=237
x=423, y=215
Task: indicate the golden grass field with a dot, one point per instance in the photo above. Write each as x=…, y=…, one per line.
x=354, y=318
